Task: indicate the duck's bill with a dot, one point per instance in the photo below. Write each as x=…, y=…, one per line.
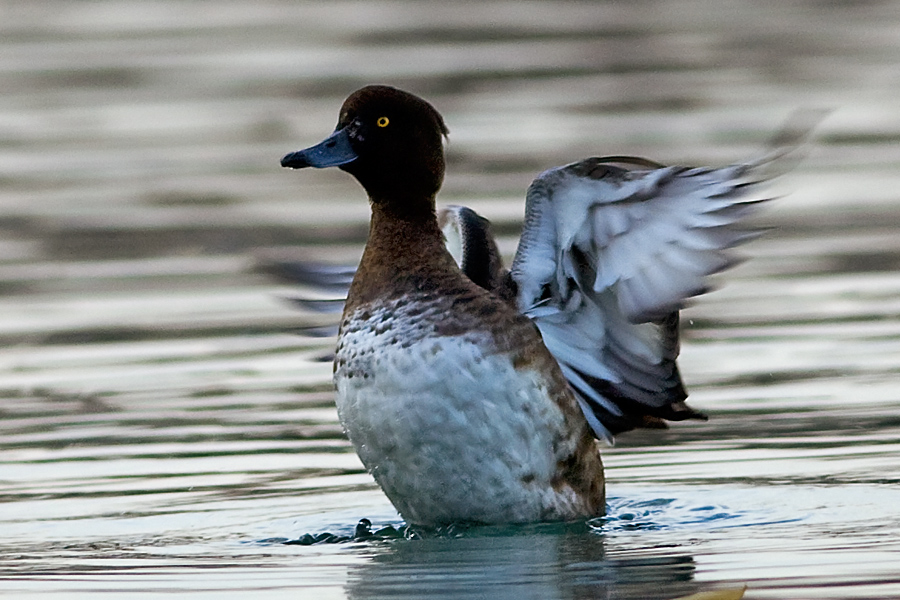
x=333, y=151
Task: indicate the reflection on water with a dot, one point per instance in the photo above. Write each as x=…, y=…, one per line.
x=162, y=425
x=550, y=561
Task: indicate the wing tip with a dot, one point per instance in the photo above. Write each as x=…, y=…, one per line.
x=792, y=137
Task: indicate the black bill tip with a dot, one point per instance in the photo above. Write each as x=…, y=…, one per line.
x=295, y=160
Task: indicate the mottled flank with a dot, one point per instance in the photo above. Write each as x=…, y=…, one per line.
x=456, y=429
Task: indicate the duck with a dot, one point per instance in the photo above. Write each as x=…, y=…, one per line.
x=474, y=393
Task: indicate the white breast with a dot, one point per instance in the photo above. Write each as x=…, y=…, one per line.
x=450, y=434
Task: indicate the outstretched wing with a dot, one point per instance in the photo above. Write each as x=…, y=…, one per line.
x=611, y=250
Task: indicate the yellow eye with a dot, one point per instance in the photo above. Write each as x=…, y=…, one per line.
x=382, y=121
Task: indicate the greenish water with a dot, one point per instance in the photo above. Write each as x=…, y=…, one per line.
x=163, y=427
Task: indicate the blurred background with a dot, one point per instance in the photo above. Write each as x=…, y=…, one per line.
x=159, y=411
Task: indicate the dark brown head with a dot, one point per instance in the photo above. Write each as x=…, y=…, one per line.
x=390, y=140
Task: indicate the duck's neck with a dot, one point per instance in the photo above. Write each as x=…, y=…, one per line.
x=405, y=253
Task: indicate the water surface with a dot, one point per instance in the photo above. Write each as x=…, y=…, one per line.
x=163, y=425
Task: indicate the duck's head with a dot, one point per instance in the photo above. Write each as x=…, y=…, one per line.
x=390, y=140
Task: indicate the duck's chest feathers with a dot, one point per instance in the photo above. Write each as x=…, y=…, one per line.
x=450, y=427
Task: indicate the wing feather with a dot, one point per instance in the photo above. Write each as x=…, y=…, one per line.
x=610, y=253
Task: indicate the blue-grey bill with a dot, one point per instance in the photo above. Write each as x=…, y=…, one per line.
x=333, y=151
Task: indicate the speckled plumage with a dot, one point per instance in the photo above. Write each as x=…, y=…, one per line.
x=449, y=396
x=456, y=427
